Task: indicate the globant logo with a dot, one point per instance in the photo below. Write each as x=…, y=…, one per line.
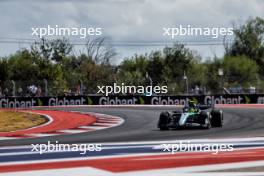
x=223, y=100
x=14, y=103
x=169, y=101
x=65, y=101
x=117, y=101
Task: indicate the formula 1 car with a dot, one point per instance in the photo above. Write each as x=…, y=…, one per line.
x=192, y=115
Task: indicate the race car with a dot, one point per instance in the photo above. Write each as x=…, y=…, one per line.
x=192, y=115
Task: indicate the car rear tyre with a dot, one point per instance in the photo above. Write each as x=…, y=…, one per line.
x=164, y=120
x=217, y=118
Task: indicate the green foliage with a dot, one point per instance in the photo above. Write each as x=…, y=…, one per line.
x=240, y=71
x=54, y=50
x=164, y=68
x=52, y=60
x=177, y=59
x=156, y=67
x=249, y=41
x=212, y=78
x=132, y=71
x=93, y=75
x=200, y=70
x=4, y=71
x=23, y=67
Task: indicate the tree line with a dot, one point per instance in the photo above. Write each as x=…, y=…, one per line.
x=175, y=66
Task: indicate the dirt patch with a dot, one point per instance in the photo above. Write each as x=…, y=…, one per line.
x=14, y=120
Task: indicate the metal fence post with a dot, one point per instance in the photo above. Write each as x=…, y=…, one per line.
x=13, y=88
x=45, y=87
x=81, y=87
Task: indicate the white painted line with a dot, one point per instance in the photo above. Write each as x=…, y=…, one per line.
x=41, y=134
x=99, y=123
x=97, y=127
x=72, y=131
x=212, y=167
x=7, y=138
x=78, y=171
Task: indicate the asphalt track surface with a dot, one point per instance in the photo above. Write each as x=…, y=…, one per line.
x=141, y=125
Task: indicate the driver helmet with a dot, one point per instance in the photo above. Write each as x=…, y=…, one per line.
x=191, y=104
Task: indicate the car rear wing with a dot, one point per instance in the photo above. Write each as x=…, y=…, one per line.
x=204, y=107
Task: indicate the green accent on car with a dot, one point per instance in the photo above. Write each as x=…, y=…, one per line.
x=195, y=100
